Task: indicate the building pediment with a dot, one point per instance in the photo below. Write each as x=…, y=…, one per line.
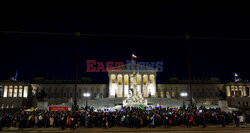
x=131, y=67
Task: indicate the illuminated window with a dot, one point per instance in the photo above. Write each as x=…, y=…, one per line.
x=15, y=91
x=10, y=91
x=162, y=94
x=125, y=79
x=173, y=94
x=113, y=78
x=119, y=79
x=2, y=106
x=167, y=94
x=131, y=80
x=138, y=79
x=25, y=91
x=151, y=79
x=20, y=92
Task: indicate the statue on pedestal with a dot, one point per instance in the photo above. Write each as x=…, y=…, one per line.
x=135, y=95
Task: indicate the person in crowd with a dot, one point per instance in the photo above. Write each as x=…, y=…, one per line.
x=130, y=117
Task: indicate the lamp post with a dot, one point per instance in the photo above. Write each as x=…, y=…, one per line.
x=183, y=95
x=86, y=95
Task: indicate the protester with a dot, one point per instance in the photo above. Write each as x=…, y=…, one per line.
x=131, y=117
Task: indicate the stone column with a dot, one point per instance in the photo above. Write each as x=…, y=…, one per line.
x=122, y=84
x=142, y=91
x=116, y=81
x=7, y=91
x=230, y=88
x=154, y=85
x=110, y=85
x=228, y=91
x=148, y=86
x=244, y=91
x=248, y=91
x=234, y=91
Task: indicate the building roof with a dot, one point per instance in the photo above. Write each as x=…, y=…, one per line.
x=12, y=82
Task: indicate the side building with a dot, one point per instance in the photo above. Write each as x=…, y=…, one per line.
x=15, y=94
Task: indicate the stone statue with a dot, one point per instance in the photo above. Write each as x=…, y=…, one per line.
x=135, y=95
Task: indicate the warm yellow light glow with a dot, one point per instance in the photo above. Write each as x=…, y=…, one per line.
x=20, y=92
x=25, y=91
x=113, y=78
x=10, y=91
x=5, y=91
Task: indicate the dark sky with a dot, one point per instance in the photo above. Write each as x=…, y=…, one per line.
x=153, y=31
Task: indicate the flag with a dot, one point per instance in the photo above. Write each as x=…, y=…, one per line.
x=16, y=75
x=142, y=107
x=236, y=75
x=134, y=56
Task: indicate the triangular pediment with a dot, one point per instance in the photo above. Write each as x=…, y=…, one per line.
x=132, y=67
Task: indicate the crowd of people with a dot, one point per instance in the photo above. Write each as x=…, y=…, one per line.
x=130, y=117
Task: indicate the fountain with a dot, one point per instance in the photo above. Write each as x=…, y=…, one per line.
x=135, y=96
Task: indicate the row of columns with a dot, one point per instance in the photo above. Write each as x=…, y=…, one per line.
x=233, y=90
x=21, y=91
x=115, y=89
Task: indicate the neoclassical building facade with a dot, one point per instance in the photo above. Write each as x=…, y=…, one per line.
x=120, y=80
x=16, y=94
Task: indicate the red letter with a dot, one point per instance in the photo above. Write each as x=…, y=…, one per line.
x=118, y=65
x=90, y=66
x=110, y=66
x=100, y=67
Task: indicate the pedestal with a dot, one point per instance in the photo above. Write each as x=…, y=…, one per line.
x=223, y=105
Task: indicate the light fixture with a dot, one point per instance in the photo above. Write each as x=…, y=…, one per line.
x=183, y=94
x=86, y=94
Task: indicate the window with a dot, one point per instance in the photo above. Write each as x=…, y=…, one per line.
x=113, y=79
x=138, y=79
x=167, y=94
x=64, y=95
x=125, y=79
x=162, y=94
x=70, y=94
x=119, y=79
x=173, y=94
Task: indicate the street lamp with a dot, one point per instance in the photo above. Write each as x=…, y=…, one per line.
x=86, y=95
x=183, y=95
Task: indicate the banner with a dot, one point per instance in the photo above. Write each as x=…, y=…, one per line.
x=58, y=108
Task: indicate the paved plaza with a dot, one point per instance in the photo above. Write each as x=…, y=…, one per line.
x=179, y=129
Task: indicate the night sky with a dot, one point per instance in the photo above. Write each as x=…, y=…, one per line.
x=152, y=31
